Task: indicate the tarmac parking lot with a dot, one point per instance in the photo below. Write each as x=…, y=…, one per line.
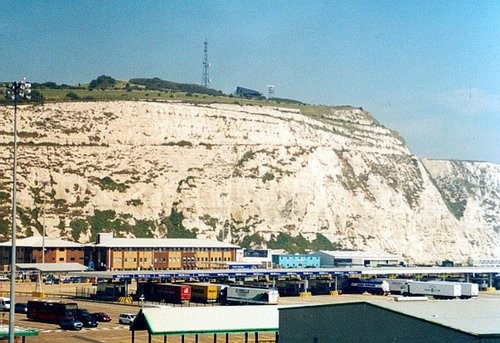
x=113, y=332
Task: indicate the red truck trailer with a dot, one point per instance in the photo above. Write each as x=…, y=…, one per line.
x=167, y=292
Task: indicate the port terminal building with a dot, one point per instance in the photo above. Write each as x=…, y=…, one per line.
x=340, y=258
x=29, y=250
x=111, y=253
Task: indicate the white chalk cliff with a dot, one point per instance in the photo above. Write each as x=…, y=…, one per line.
x=242, y=174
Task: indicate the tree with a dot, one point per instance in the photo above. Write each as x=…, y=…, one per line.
x=102, y=82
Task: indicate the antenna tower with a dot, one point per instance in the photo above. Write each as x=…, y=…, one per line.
x=205, y=80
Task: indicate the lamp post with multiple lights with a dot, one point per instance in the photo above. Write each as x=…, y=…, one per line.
x=17, y=90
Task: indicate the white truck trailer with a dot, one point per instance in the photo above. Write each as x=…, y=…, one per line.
x=250, y=295
x=469, y=290
x=396, y=285
x=436, y=289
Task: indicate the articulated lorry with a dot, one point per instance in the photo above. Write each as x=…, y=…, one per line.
x=371, y=286
x=236, y=294
x=436, y=289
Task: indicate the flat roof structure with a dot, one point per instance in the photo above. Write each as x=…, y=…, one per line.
x=476, y=316
x=162, y=243
x=382, y=321
x=167, y=321
x=18, y=332
x=360, y=254
x=52, y=267
x=303, y=272
x=37, y=242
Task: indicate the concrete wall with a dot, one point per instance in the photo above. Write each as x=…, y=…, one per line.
x=361, y=322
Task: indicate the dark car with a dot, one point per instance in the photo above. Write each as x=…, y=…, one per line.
x=82, y=311
x=70, y=323
x=101, y=317
x=21, y=308
x=88, y=320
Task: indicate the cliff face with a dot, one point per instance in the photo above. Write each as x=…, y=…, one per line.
x=243, y=174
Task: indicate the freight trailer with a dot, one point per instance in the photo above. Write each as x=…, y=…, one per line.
x=167, y=292
x=202, y=292
x=468, y=289
x=236, y=294
x=371, y=286
x=436, y=289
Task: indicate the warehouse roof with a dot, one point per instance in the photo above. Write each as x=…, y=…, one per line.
x=475, y=316
x=162, y=243
x=207, y=320
x=37, y=242
x=52, y=267
x=359, y=254
x=478, y=317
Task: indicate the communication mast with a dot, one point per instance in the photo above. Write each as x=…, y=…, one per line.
x=205, y=80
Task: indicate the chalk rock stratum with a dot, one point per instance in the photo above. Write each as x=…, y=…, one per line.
x=250, y=175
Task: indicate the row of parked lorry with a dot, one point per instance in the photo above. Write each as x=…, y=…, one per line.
x=408, y=287
x=206, y=293
x=200, y=292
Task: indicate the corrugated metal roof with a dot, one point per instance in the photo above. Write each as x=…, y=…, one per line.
x=207, y=320
x=37, y=242
x=359, y=254
x=52, y=267
x=163, y=243
x=479, y=317
x=474, y=316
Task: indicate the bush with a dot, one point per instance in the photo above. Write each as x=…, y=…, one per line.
x=72, y=96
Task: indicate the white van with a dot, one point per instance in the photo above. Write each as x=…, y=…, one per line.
x=4, y=304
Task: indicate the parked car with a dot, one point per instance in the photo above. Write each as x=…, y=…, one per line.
x=101, y=317
x=88, y=320
x=70, y=323
x=4, y=304
x=126, y=318
x=82, y=311
x=21, y=308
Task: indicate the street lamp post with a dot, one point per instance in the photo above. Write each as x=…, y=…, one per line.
x=44, y=183
x=18, y=90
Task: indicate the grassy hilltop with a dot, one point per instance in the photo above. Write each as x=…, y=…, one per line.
x=153, y=89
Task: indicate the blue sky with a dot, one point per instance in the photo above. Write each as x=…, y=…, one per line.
x=428, y=69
